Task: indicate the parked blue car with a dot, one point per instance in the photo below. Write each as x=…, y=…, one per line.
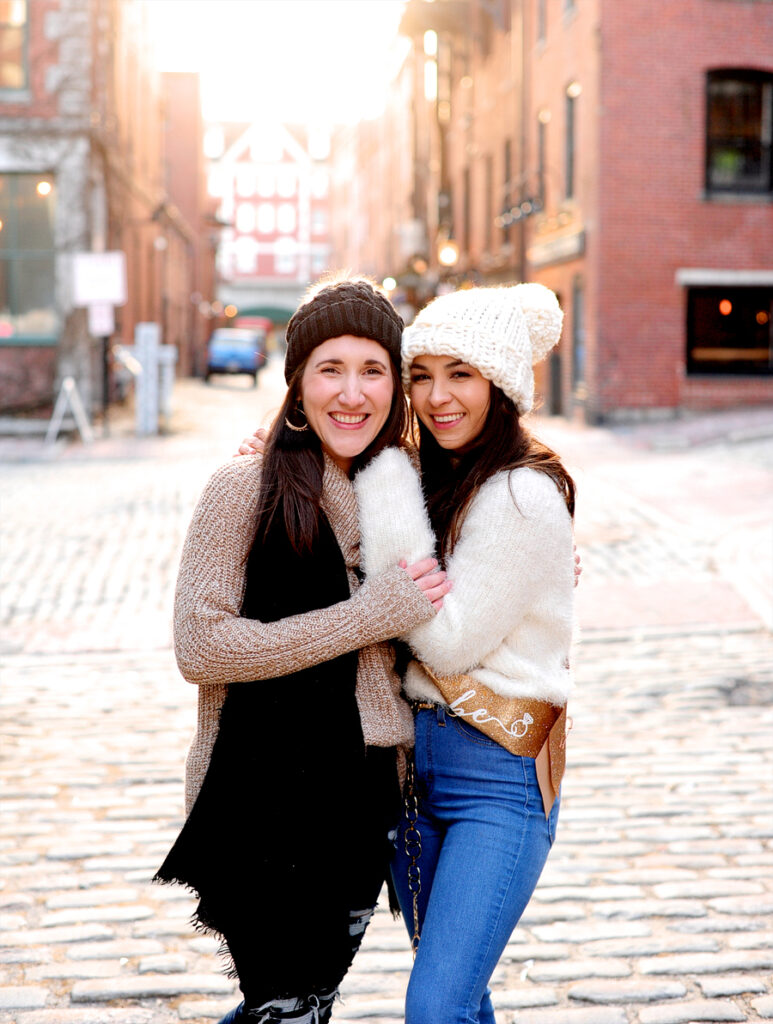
x=236, y=350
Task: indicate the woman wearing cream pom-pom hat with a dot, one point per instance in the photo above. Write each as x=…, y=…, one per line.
x=490, y=675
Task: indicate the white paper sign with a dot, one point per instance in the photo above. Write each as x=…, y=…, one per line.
x=99, y=277
x=101, y=320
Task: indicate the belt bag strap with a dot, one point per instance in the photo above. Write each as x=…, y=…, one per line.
x=525, y=727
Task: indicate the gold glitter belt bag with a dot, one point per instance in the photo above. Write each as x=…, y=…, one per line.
x=525, y=727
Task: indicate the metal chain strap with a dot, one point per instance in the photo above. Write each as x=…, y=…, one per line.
x=412, y=841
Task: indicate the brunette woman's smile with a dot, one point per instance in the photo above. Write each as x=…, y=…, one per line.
x=451, y=398
x=448, y=420
x=347, y=421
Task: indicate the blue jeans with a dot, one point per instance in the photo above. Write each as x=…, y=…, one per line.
x=485, y=840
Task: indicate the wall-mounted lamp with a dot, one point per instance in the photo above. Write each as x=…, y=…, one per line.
x=448, y=253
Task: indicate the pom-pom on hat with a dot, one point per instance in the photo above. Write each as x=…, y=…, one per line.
x=501, y=331
x=347, y=306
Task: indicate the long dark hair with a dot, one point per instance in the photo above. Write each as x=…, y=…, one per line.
x=293, y=464
x=451, y=479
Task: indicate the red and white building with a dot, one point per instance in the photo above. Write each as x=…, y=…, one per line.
x=272, y=182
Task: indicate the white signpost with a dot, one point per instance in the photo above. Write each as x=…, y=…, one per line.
x=99, y=284
x=154, y=378
x=101, y=319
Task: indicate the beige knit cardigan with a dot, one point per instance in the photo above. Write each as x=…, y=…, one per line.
x=216, y=647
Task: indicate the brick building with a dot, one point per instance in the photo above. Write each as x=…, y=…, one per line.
x=188, y=282
x=84, y=128
x=272, y=185
x=620, y=155
x=657, y=224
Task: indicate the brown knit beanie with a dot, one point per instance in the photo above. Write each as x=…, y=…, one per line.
x=345, y=307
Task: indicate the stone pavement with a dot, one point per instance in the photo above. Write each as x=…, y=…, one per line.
x=656, y=906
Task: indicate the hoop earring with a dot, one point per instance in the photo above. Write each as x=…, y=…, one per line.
x=292, y=426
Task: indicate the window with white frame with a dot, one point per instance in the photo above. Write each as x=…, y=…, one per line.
x=28, y=308
x=245, y=218
x=286, y=218
x=286, y=256
x=319, y=221
x=246, y=252
x=319, y=261
x=266, y=219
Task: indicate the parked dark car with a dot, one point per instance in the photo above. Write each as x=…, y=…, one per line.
x=236, y=350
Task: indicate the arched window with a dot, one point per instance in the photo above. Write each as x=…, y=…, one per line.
x=266, y=219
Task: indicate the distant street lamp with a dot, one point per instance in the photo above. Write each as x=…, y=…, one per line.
x=448, y=253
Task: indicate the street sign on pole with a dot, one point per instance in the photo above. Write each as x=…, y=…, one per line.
x=101, y=319
x=99, y=283
x=99, y=277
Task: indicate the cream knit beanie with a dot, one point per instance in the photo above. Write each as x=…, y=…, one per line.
x=502, y=332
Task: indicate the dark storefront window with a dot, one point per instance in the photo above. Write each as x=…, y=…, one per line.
x=578, y=333
x=466, y=210
x=13, y=44
x=507, y=200
x=542, y=131
x=27, y=273
x=488, y=239
x=569, y=144
x=739, y=131
x=728, y=330
x=541, y=20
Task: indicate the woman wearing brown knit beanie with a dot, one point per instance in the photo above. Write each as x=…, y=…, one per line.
x=292, y=780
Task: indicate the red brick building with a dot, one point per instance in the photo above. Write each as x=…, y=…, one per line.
x=84, y=131
x=621, y=155
x=188, y=283
x=657, y=225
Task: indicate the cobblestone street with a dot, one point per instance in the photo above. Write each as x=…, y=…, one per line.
x=656, y=906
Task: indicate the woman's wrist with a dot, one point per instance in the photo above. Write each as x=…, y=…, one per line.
x=395, y=603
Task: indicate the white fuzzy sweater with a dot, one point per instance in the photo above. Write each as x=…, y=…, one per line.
x=508, y=621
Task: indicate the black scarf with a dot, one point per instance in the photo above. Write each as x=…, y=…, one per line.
x=289, y=831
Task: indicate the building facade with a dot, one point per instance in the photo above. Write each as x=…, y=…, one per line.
x=83, y=170
x=621, y=157
x=653, y=136
x=271, y=183
x=188, y=283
